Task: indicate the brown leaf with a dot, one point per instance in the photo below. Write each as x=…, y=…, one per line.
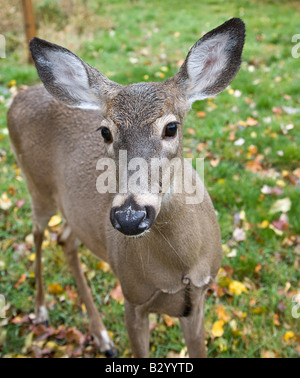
x=201, y=114
x=169, y=321
x=21, y=280
x=215, y=162
x=251, y=122
x=253, y=166
x=21, y=320
x=258, y=268
x=191, y=131
x=74, y=335
x=276, y=320
x=201, y=147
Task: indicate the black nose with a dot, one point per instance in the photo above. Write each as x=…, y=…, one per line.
x=131, y=219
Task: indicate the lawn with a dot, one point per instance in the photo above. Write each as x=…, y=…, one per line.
x=249, y=136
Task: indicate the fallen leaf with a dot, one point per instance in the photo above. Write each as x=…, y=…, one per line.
x=191, y=131
x=253, y=166
x=28, y=342
x=217, y=329
x=297, y=173
x=20, y=203
x=291, y=111
x=21, y=280
x=55, y=289
x=265, y=224
x=269, y=354
x=5, y=202
x=215, y=162
x=201, y=114
x=284, y=205
x=280, y=224
x=289, y=336
x=54, y=221
x=239, y=142
x=239, y=235
x=102, y=265
x=222, y=314
x=276, y=321
x=237, y=288
x=169, y=320
x=251, y=122
x=253, y=150
x=74, y=335
x=258, y=268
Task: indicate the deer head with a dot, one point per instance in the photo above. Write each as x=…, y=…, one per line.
x=144, y=119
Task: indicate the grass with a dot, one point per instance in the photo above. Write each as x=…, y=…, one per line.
x=132, y=41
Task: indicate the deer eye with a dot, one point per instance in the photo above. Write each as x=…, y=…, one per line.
x=106, y=134
x=171, y=130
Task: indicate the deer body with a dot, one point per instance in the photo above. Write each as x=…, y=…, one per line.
x=164, y=252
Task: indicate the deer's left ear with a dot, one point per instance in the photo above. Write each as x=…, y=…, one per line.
x=212, y=62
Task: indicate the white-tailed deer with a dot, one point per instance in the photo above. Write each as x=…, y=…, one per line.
x=164, y=252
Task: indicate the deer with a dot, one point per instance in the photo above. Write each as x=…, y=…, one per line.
x=164, y=252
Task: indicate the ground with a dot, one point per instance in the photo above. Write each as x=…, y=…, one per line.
x=249, y=137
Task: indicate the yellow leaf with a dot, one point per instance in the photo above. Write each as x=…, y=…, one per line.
x=32, y=257
x=55, y=289
x=83, y=307
x=237, y=288
x=281, y=183
x=12, y=83
x=265, y=224
x=110, y=334
x=102, y=265
x=289, y=336
x=28, y=342
x=222, y=314
x=217, y=329
x=226, y=249
x=54, y=221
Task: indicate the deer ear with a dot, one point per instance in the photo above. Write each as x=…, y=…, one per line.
x=68, y=78
x=212, y=62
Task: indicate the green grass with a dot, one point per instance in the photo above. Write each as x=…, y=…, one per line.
x=158, y=34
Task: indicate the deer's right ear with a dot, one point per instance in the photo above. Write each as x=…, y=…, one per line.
x=69, y=79
x=212, y=62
